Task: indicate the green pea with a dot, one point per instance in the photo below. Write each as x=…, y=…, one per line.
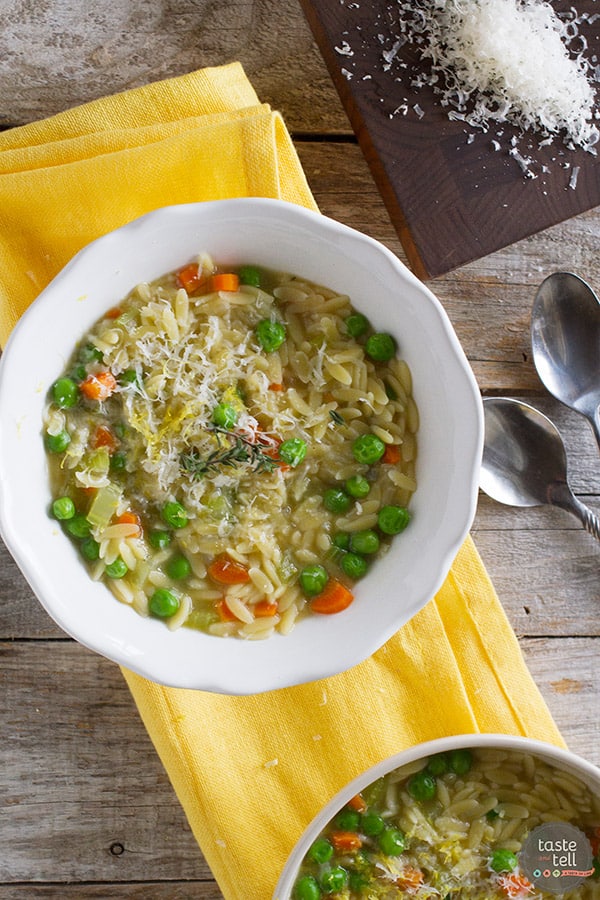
x=65, y=393
x=63, y=508
x=224, y=415
x=503, y=861
x=354, y=566
x=336, y=501
x=128, y=377
x=357, y=486
x=393, y=519
x=357, y=882
x=348, y=820
x=390, y=392
x=118, y=461
x=364, y=542
x=368, y=449
x=163, y=603
x=90, y=549
x=334, y=880
x=89, y=354
x=460, y=761
x=313, y=579
x=293, y=451
x=422, y=786
x=437, y=765
x=270, y=335
x=341, y=541
x=250, y=275
x=307, y=888
x=392, y=842
x=380, y=347
x=117, y=569
x=78, y=373
x=372, y=824
x=78, y=526
x=58, y=443
x=356, y=324
x=321, y=851
x=160, y=540
x=178, y=568
x=174, y=514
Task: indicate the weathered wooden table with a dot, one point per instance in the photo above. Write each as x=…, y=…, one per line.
x=86, y=808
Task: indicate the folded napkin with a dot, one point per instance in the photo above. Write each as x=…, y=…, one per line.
x=251, y=772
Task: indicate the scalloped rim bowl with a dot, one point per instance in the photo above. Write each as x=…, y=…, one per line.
x=290, y=238
x=557, y=756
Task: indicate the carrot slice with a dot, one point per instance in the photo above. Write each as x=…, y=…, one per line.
x=410, y=879
x=113, y=313
x=357, y=803
x=224, y=281
x=264, y=609
x=104, y=437
x=343, y=841
x=224, y=612
x=276, y=387
x=226, y=570
x=99, y=386
x=515, y=885
x=391, y=454
x=190, y=277
x=334, y=598
x=130, y=518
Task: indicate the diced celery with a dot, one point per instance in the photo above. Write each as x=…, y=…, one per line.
x=201, y=619
x=104, y=505
x=287, y=568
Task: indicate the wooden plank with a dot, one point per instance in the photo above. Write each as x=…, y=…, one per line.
x=81, y=776
x=85, y=797
x=152, y=890
x=83, y=52
x=451, y=198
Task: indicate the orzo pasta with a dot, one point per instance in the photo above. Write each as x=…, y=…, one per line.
x=451, y=828
x=231, y=450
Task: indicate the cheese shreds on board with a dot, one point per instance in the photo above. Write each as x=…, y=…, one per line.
x=506, y=61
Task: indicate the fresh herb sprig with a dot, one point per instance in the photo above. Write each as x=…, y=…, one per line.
x=242, y=450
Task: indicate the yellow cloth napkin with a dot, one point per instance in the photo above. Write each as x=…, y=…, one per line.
x=251, y=772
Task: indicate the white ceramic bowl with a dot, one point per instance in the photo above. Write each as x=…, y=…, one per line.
x=556, y=756
x=289, y=238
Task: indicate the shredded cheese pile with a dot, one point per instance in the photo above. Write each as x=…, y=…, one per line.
x=506, y=61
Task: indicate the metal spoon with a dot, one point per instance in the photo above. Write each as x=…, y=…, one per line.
x=525, y=462
x=565, y=338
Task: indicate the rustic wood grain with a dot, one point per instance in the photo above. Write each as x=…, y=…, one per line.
x=54, y=54
x=453, y=197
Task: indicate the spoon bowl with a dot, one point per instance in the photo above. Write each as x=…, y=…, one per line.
x=565, y=340
x=524, y=461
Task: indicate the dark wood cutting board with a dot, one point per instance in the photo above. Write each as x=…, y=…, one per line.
x=454, y=194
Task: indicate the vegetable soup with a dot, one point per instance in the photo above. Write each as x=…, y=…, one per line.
x=451, y=828
x=230, y=450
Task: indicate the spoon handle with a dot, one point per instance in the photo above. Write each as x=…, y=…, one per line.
x=595, y=423
x=562, y=495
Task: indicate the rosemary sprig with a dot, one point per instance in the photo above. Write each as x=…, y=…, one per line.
x=241, y=451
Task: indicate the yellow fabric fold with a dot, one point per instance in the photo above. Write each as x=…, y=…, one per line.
x=77, y=175
x=251, y=772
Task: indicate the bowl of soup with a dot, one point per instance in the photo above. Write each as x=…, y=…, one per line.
x=247, y=452
x=476, y=817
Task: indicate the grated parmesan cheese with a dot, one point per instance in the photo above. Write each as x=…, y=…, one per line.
x=506, y=61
